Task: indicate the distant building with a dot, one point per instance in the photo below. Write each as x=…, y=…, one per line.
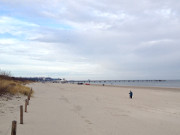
x=64, y=80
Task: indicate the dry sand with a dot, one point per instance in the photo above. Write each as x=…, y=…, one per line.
x=69, y=109
x=9, y=110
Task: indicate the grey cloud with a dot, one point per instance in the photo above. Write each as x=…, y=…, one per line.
x=130, y=38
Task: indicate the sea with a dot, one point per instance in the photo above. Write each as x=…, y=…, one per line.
x=141, y=83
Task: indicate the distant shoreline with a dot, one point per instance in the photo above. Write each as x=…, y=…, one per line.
x=138, y=87
x=135, y=83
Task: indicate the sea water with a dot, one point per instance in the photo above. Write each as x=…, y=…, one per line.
x=143, y=83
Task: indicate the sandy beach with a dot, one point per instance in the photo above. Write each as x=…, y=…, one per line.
x=71, y=109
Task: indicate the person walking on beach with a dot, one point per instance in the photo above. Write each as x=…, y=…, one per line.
x=130, y=94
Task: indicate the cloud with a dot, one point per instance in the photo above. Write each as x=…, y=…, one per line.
x=91, y=39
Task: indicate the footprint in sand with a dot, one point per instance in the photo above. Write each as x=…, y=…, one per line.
x=97, y=99
x=88, y=121
x=78, y=108
x=117, y=115
x=64, y=99
x=83, y=117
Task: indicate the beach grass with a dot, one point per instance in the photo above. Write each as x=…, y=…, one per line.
x=9, y=85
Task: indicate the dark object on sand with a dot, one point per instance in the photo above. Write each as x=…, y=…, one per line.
x=80, y=83
x=130, y=94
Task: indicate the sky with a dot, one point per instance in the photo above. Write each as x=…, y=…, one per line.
x=90, y=39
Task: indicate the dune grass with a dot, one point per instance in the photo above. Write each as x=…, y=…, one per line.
x=11, y=86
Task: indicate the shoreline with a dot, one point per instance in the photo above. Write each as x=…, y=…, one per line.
x=138, y=87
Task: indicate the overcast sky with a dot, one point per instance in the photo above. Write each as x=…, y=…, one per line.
x=91, y=39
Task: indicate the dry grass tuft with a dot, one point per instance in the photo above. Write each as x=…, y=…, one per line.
x=12, y=86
